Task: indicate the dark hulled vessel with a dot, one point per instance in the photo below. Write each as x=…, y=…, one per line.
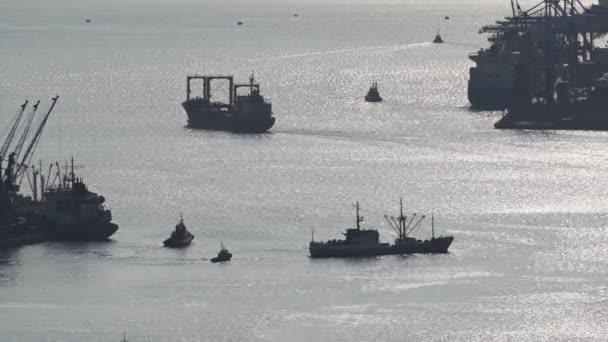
x=249, y=113
x=373, y=95
x=360, y=242
x=574, y=109
x=73, y=212
x=180, y=237
x=223, y=255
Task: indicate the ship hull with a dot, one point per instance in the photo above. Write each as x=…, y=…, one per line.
x=178, y=243
x=372, y=99
x=201, y=118
x=221, y=259
x=433, y=246
x=20, y=233
x=589, y=121
x=490, y=97
x=83, y=232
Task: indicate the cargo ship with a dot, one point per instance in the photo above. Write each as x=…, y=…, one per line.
x=361, y=242
x=562, y=35
x=244, y=113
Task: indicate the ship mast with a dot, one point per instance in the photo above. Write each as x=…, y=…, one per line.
x=359, y=218
x=402, y=219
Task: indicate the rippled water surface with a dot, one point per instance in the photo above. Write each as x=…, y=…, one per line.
x=527, y=209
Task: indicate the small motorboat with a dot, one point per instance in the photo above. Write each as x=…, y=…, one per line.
x=223, y=255
x=180, y=237
x=239, y=23
x=373, y=95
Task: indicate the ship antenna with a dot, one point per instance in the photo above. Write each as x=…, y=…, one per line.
x=72, y=161
x=432, y=225
x=312, y=234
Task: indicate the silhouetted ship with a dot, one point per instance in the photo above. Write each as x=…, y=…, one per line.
x=180, y=237
x=16, y=226
x=365, y=242
x=373, y=95
x=438, y=39
x=249, y=113
x=574, y=109
x=72, y=212
x=223, y=255
x=557, y=35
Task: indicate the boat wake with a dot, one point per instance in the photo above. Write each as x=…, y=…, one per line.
x=388, y=48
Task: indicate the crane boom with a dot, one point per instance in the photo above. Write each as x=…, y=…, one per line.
x=11, y=133
x=26, y=130
x=34, y=142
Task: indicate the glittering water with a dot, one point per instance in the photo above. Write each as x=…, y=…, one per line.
x=527, y=208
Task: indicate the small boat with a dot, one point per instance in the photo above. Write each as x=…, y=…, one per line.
x=223, y=255
x=438, y=39
x=88, y=20
x=373, y=95
x=239, y=23
x=180, y=237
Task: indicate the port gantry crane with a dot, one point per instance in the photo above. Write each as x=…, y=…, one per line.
x=12, y=174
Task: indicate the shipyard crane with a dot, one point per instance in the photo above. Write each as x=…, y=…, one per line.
x=11, y=133
x=26, y=130
x=29, y=152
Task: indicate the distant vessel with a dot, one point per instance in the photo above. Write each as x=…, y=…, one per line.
x=365, y=242
x=239, y=23
x=180, y=237
x=249, y=113
x=222, y=256
x=373, y=95
x=438, y=39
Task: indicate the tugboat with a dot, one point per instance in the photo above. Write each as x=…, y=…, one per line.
x=222, y=256
x=249, y=113
x=365, y=242
x=373, y=95
x=180, y=237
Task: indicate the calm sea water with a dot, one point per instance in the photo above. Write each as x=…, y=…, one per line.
x=527, y=209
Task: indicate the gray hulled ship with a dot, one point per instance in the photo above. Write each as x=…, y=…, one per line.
x=249, y=113
x=16, y=226
x=70, y=211
x=360, y=242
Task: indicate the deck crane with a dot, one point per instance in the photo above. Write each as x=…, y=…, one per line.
x=28, y=125
x=11, y=133
x=29, y=152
